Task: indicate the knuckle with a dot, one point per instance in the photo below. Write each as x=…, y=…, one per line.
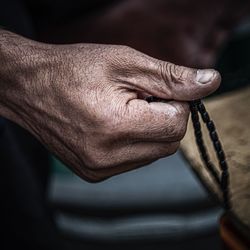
x=178, y=73
x=172, y=73
x=165, y=71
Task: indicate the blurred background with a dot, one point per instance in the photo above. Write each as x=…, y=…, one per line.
x=160, y=206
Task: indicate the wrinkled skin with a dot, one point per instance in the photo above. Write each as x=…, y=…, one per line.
x=85, y=102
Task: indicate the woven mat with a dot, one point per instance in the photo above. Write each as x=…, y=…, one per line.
x=231, y=115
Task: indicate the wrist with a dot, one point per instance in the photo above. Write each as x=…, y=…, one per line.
x=22, y=65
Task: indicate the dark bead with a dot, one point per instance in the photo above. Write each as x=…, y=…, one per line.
x=210, y=126
x=202, y=149
x=222, y=180
x=214, y=136
x=197, y=102
x=197, y=126
x=224, y=172
x=205, y=156
x=205, y=117
x=199, y=141
x=195, y=116
x=198, y=133
x=223, y=165
x=217, y=146
x=224, y=185
x=194, y=120
x=192, y=105
x=152, y=99
x=201, y=108
x=221, y=155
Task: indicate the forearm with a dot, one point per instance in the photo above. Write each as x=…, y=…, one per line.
x=11, y=67
x=21, y=61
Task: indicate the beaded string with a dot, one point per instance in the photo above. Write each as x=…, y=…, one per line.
x=222, y=181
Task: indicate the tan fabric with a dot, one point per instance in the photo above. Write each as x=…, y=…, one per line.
x=231, y=115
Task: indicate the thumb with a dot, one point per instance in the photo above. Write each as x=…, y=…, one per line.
x=186, y=84
x=163, y=79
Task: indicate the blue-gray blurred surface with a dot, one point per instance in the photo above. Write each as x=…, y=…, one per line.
x=163, y=201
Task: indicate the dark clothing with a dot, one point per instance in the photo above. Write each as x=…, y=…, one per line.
x=25, y=217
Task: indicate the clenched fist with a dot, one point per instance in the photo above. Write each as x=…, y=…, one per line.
x=86, y=102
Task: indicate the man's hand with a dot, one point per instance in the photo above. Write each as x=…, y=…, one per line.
x=85, y=102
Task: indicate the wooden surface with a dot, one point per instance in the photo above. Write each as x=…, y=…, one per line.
x=231, y=115
x=231, y=237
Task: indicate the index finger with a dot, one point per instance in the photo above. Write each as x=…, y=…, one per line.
x=157, y=121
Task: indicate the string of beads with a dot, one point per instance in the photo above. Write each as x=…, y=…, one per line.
x=196, y=108
x=223, y=180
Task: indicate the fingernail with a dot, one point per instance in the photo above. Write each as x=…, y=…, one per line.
x=205, y=76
